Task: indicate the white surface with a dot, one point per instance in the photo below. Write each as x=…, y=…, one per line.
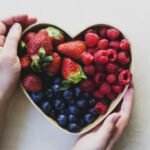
x=25, y=128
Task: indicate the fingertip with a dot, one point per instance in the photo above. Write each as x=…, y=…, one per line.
x=2, y=28
x=31, y=20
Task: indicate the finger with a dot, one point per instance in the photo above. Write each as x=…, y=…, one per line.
x=106, y=130
x=2, y=40
x=22, y=19
x=2, y=28
x=31, y=21
x=12, y=39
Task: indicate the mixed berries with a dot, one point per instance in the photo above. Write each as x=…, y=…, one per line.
x=74, y=81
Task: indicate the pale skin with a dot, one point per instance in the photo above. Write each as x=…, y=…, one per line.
x=102, y=137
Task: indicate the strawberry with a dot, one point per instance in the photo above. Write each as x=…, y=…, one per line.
x=29, y=36
x=32, y=83
x=72, y=49
x=56, y=35
x=54, y=66
x=25, y=62
x=72, y=71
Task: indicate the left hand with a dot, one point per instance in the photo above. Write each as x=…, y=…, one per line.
x=106, y=135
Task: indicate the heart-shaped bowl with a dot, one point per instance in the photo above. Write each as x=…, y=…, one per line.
x=113, y=104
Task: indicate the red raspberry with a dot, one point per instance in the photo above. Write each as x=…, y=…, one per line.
x=101, y=57
x=102, y=32
x=120, y=69
x=105, y=88
x=111, y=78
x=100, y=68
x=125, y=77
x=92, y=51
x=124, y=44
x=99, y=78
x=112, y=55
x=98, y=95
x=117, y=88
x=87, y=58
x=89, y=70
x=102, y=44
x=113, y=33
x=112, y=96
x=115, y=45
x=91, y=39
x=87, y=85
x=111, y=67
x=91, y=31
x=101, y=108
x=123, y=58
x=29, y=36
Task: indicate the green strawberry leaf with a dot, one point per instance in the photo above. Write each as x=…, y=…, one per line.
x=36, y=66
x=42, y=52
x=23, y=45
x=65, y=85
x=49, y=74
x=47, y=59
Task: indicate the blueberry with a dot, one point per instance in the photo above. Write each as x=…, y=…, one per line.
x=62, y=120
x=53, y=114
x=86, y=95
x=59, y=105
x=73, y=127
x=49, y=93
x=67, y=95
x=57, y=80
x=89, y=118
x=93, y=112
x=82, y=123
x=65, y=112
x=92, y=102
x=70, y=101
x=74, y=110
x=56, y=88
x=72, y=118
x=82, y=103
x=77, y=91
x=37, y=97
x=46, y=107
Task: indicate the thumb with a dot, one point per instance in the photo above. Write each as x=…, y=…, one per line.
x=12, y=39
x=105, y=132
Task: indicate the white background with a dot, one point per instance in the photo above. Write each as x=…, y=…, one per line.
x=25, y=128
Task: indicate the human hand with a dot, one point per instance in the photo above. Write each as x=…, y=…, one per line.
x=107, y=134
x=9, y=61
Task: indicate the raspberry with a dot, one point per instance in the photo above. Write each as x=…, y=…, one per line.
x=100, y=68
x=102, y=44
x=120, y=69
x=111, y=78
x=117, y=88
x=91, y=31
x=125, y=77
x=113, y=34
x=102, y=32
x=98, y=95
x=101, y=108
x=115, y=45
x=91, y=39
x=111, y=67
x=112, y=96
x=99, y=78
x=29, y=36
x=89, y=70
x=124, y=44
x=87, y=85
x=101, y=57
x=105, y=88
x=87, y=58
x=92, y=51
x=123, y=58
x=112, y=55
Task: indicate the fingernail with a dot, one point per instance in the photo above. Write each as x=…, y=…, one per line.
x=16, y=27
x=116, y=118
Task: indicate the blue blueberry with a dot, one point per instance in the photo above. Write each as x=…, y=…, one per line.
x=82, y=103
x=67, y=95
x=62, y=120
x=57, y=80
x=49, y=93
x=89, y=118
x=59, y=105
x=56, y=89
x=46, y=107
x=70, y=102
x=37, y=97
x=53, y=114
x=74, y=127
x=74, y=110
x=86, y=95
x=65, y=112
x=81, y=123
x=92, y=102
x=72, y=118
x=93, y=112
x=77, y=91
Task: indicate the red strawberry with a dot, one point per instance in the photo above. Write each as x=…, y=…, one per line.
x=56, y=35
x=72, y=71
x=54, y=66
x=32, y=83
x=25, y=62
x=29, y=36
x=72, y=49
x=41, y=39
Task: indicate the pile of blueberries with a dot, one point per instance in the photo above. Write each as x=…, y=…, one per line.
x=72, y=109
